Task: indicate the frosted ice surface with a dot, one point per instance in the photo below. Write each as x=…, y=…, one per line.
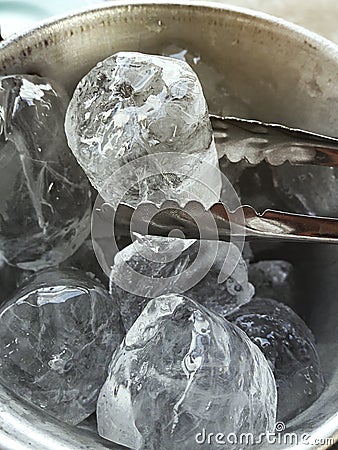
x=289, y=347
x=182, y=370
x=213, y=273
x=134, y=105
x=310, y=190
x=45, y=198
x=57, y=337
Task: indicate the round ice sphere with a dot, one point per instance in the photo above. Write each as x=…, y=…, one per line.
x=45, y=198
x=57, y=336
x=289, y=347
x=145, y=114
x=181, y=374
x=213, y=273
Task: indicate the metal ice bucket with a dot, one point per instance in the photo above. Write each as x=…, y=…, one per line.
x=285, y=73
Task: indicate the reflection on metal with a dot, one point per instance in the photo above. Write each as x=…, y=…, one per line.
x=255, y=141
x=194, y=222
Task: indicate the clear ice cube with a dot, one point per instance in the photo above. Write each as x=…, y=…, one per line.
x=213, y=273
x=57, y=336
x=139, y=126
x=310, y=190
x=183, y=371
x=45, y=198
x=288, y=345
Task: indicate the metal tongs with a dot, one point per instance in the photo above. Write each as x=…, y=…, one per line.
x=255, y=141
x=252, y=141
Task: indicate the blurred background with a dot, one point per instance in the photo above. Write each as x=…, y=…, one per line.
x=16, y=15
x=320, y=16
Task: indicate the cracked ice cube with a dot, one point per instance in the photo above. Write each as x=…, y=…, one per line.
x=310, y=190
x=213, y=273
x=288, y=345
x=57, y=336
x=182, y=370
x=139, y=126
x=45, y=198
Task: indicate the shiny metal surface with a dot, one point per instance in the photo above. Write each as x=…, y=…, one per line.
x=22, y=427
x=220, y=222
x=286, y=74
x=255, y=141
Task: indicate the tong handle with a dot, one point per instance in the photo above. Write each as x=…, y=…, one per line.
x=277, y=225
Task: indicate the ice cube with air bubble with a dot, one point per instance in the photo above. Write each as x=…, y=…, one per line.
x=57, y=335
x=45, y=197
x=182, y=370
x=212, y=272
x=139, y=126
x=289, y=346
